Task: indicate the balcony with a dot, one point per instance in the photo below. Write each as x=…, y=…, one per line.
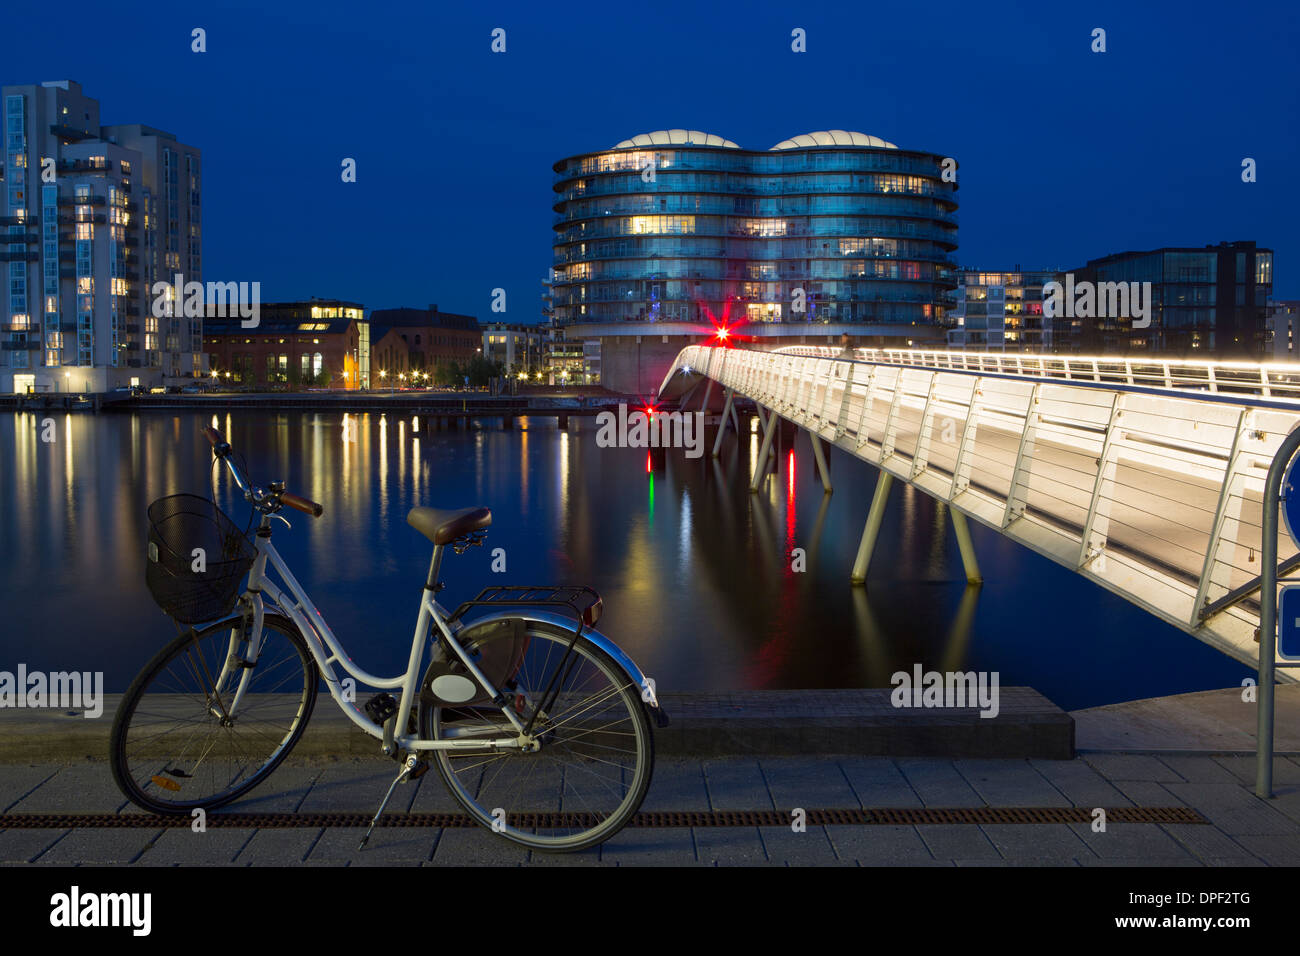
x=28, y=255
x=93, y=165
x=28, y=346
x=85, y=201
x=20, y=221
x=132, y=328
x=70, y=134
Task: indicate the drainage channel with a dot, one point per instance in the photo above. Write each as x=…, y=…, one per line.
x=659, y=819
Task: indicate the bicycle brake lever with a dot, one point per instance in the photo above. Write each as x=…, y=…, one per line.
x=284, y=519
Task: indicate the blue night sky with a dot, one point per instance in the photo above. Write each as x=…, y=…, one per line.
x=1065, y=154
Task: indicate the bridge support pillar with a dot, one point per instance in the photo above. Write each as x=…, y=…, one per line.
x=727, y=409
x=869, y=534
x=966, y=546
x=820, y=457
x=769, y=432
x=708, y=393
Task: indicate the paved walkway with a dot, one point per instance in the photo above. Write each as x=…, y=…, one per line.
x=1243, y=830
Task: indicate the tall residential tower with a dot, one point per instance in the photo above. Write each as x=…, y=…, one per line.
x=93, y=217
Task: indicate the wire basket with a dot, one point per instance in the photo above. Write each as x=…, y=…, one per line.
x=197, y=558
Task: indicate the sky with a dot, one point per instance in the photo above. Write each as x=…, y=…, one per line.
x=1065, y=154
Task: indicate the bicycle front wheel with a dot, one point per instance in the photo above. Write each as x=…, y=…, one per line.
x=179, y=742
x=596, y=757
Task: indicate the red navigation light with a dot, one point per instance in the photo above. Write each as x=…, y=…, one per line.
x=649, y=411
x=723, y=332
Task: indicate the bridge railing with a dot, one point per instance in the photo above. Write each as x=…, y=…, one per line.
x=1266, y=380
x=1156, y=497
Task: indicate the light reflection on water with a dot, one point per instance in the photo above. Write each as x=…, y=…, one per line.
x=696, y=572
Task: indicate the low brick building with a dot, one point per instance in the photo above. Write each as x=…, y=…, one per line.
x=421, y=340
x=321, y=343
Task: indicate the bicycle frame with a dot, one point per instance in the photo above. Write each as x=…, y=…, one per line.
x=328, y=651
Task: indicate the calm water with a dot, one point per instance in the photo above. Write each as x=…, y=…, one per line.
x=695, y=571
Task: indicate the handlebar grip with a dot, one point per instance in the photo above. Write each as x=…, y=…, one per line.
x=305, y=505
x=219, y=444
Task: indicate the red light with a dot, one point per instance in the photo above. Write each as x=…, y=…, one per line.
x=647, y=463
x=723, y=333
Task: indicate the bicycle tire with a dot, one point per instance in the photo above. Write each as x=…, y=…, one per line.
x=123, y=773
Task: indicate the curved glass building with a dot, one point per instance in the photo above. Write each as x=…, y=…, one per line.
x=669, y=236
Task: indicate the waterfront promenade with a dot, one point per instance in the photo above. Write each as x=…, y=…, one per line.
x=1182, y=764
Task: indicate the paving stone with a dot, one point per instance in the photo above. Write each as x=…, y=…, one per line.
x=1147, y=793
x=1233, y=809
x=1285, y=770
x=677, y=785
x=390, y=844
x=957, y=842
x=183, y=845
x=23, y=846
x=275, y=847
x=729, y=845
x=650, y=846
x=737, y=784
x=877, y=782
x=283, y=792
x=1081, y=784
x=938, y=783
x=465, y=846
x=807, y=782
x=16, y=781
x=1198, y=769
x=1207, y=843
x=1139, y=843
x=357, y=786
x=101, y=847
x=874, y=845
x=1040, y=841
x=80, y=788
x=1117, y=767
x=812, y=847
x=1010, y=783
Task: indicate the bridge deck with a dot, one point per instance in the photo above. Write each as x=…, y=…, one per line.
x=1132, y=487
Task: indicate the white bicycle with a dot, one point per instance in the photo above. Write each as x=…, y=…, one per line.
x=538, y=724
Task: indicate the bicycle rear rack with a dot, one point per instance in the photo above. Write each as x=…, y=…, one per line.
x=583, y=602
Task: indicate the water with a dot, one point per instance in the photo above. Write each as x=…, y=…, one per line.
x=695, y=571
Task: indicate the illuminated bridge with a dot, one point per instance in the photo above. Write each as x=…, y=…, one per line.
x=1143, y=476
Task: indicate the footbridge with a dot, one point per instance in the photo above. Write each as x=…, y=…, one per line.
x=1145, y=477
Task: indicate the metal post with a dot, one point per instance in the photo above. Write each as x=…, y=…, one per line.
x=821, y=461
x=1268, y=614
x=874, y=517
x=769, y=431
x=722, y=425
x=966, y=546
x=708, y=393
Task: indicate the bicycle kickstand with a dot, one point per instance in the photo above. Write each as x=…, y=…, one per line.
x=412, y=768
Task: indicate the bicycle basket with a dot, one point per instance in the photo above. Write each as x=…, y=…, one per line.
x=197, y=557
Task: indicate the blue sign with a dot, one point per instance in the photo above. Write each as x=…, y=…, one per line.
x=1291, y=499
x=1288, y=623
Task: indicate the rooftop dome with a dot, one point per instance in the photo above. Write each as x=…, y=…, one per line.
x=834, y=137
x=677, y=137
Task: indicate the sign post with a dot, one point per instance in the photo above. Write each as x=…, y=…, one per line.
x=1268, y=597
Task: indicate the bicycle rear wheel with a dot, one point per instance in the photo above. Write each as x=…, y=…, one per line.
x=175, y=743
x=597, y=749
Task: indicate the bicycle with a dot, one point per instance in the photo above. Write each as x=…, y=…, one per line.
x=538, y=724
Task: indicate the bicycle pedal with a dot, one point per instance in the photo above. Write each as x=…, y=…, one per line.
x=380, y=707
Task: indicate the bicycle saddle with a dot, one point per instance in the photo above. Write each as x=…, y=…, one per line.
x=443, y=526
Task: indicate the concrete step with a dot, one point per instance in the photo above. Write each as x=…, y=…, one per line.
x=863, y=722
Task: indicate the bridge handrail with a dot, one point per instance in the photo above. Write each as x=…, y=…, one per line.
x=1278, y=380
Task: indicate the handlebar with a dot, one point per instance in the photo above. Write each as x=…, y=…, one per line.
x=268, y=501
